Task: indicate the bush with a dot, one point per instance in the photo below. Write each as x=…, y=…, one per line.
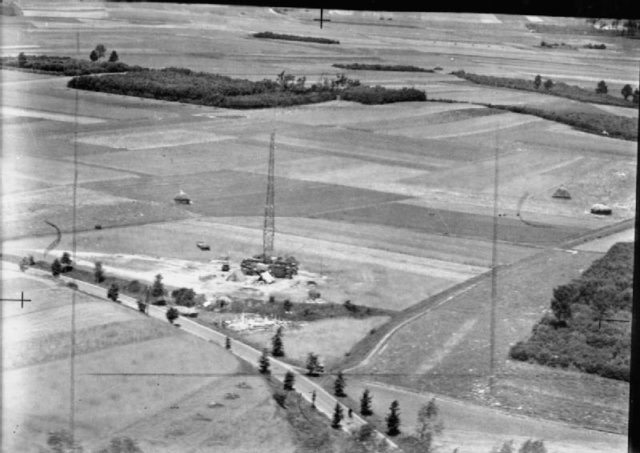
x=271, y=35
x=172, y=314
x=381, y=95
x=184, y=297
x=381, y=67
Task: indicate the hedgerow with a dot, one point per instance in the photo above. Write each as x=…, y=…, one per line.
x=560, y=89
x=64, y=65
x=381, y=67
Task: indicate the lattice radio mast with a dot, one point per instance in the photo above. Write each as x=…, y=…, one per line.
x=269, y=229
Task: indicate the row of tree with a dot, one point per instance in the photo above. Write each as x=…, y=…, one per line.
x=601, y=88
x=100, y=52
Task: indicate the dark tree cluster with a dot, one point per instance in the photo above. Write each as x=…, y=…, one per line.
x=64, y=65
x=589, y=324
x=184, y=85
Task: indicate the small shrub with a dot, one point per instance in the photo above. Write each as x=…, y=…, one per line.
x=281, y=399
x=172, y=314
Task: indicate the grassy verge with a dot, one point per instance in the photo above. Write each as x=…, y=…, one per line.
x=201, y=88
x=591, y=322
x=381, y=67
x=271, y=35
x=603, y=124
x=559, y=89
x=51, y=64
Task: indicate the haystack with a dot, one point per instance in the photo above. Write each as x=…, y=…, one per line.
x=182, y=198
x=562, y=193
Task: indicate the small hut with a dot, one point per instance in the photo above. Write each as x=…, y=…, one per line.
x=600, y=209
x=182, y=198
x=562, y=193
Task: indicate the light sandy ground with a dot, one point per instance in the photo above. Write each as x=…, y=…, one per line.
x=331, y=339
x=152, y=139
x=605, y=243
x=29, y=113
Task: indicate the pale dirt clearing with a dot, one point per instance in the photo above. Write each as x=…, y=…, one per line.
x=30, y=113
x=476, y=429
x=331, y=338
x=145, y=139
x=203, y=278
x=604, y=244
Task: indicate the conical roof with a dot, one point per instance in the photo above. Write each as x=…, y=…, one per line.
x=562, y=192
x=181, y=196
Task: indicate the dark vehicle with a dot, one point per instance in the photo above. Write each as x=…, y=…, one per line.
x=203, y=245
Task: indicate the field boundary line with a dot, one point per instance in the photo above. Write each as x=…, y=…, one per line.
x=388, y=335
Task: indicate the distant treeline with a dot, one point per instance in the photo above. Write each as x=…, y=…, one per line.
x=590, y=326
x=64, y=65
x=560, y=89
x=271, y=35
x=184, y=85
x=605, y=124
x=381, y=67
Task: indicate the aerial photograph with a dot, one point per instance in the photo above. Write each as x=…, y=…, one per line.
x=239, y=229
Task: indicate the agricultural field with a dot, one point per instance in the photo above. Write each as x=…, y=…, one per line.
x=387, y=206
x=453, y=356
x=134, y=376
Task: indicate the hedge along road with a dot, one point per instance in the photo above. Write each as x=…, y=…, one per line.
x=325, y=402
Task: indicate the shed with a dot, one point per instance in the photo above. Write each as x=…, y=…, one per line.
x=182, y=198
x=562, y=193
x=266, y=277
x=600, y=209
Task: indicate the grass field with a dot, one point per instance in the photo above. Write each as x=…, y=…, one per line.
x=130, y=371
x=446, y=350
x=390, y=204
